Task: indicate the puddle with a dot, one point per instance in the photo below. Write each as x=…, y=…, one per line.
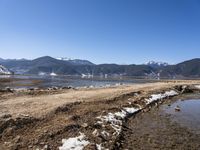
x=187, y=114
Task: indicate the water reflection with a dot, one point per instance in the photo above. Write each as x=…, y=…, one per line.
x=189, y=114
x=27, y=81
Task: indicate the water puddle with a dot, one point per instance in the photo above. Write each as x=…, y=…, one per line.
x=185, y=112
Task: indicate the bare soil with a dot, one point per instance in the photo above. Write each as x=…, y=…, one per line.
x=41, y=119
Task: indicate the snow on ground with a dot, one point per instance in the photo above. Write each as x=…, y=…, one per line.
x=53, y=74
x=115, y=121
x=131, y=110
x=155, y=97
x=197, y=86
x=4, y=70
x=76, y=143
x=99, y=147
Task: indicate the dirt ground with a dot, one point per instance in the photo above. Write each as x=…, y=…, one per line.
x=37, y=104
x=41, y=119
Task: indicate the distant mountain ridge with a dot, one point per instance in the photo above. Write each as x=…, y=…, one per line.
x=47, y=65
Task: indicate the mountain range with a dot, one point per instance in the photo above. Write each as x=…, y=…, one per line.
x=64, y=66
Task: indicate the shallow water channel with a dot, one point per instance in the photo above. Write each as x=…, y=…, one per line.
x=165, y=126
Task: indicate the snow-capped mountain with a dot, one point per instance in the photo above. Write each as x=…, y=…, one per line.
x=75, y=61
x=64, y=58
x=4, y=71
x=157, y=64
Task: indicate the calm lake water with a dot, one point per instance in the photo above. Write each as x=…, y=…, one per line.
x=189, y=114
x=26, y=81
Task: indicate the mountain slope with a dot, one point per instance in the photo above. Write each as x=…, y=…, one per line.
x=4, y=71
x=190, y=68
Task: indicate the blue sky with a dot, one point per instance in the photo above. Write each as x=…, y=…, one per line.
x=102, y=31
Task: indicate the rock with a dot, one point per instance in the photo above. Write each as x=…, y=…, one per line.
x=31, y=89
x=30, y=146
x=55, y=88
x=85, y=125
x=66, y=87
x=177, y=108
x=8, y=89
x=184, y=88
x=46, y=147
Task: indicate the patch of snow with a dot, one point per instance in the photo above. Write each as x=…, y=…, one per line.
x=76, y=143
x=154, y=63
x=197, y=86
x=87, y=75
x=121, y=114
x=99, y=147
x=110, y=118
x=41, y=73
x=4, y=70
x=114, y=122
x=129, y=103
x=115, y=119
x=155, y=97
x=53, y=74
x=131, y=110
x=64, y=58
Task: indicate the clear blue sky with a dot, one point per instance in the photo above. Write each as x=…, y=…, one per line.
x=102, y=31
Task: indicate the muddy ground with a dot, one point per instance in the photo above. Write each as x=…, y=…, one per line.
x=41, y=121
x=157, y=130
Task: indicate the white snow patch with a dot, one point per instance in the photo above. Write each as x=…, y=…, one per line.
x=115, y=119
x=121, y=114
x=131, y=110
x=197, y=86
x=53, y=74
x=99, y=147
x=155, y=97
x=114, y=122
x=76, y=143
x=4, y=70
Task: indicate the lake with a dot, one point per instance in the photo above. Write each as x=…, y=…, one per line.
x=36, y=81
